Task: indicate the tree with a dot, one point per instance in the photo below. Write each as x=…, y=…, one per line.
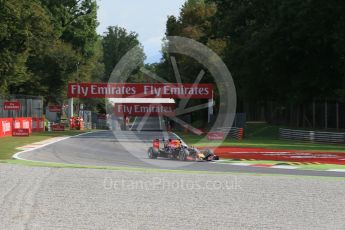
x=285, y=52
x=193, y=22
x=116, y=43
x=24, y=27
x=282, y=51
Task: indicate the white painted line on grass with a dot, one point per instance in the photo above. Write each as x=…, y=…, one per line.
x=336, y=170
x=284, y=167
x=239, y=164
x=220, y=162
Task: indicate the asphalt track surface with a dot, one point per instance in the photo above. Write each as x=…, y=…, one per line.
x=71, y=198
x=129, y=149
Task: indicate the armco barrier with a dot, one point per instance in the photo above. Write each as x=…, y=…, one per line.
x=233, y=132
x=312, y=136
x=6, y=127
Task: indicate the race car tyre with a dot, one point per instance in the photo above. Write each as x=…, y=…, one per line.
x=151, y=153
x=183, y=154
x=208, y=153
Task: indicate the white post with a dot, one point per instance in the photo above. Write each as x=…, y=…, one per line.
x=70, y=107
x=314, y=109
x=326, y=114
x=210, y=109
x=337, y=115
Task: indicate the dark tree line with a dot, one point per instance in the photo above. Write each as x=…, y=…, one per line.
x=283, y=55
x=45, y=44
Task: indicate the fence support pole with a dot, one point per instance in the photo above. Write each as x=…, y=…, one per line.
x=70, y=106
x=337, y=114
x=314, y=109
x=210, y=110
x=326, y=115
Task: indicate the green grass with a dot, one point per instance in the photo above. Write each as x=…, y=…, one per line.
x=128, y=169
x=8, y=145
x=263, y=143
x=261, y=135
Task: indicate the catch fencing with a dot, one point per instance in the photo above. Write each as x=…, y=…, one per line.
x=315, y=114
x=30, y=106
x=312, y=136
x=233, y=132
x=26, y=113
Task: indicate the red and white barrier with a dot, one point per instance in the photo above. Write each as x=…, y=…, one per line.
x=6, y=127
x=37, y=124
x=23, y=123
x=58, y=127
x=215, y=136
x=14, y=126
x=20, y=133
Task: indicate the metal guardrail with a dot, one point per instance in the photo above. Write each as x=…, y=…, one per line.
x=312, y=136
x=233, y=132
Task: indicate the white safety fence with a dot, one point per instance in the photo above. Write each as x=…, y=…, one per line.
x=312, y=136
x=30, y=106
x=233, y=132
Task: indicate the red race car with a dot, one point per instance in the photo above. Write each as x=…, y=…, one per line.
x=175, y=149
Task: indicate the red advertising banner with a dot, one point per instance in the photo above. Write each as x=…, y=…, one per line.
x=58, y=127
x=23, y=123
x=215, y=136
x=5, y=127
x=11, y=105
x=37, y=124
x=20, y=133
x=55, y=108
x=144, y=109
x=103, y=90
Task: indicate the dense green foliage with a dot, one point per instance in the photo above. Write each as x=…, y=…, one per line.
x=283, y=50
x=44, y=44
x=116, y=43
x=282, y=54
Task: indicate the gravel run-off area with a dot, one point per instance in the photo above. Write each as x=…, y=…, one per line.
x=64, y=198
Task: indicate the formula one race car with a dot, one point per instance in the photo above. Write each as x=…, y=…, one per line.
x=175, y=149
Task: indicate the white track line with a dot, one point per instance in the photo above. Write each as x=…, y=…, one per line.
x=336, y=170
x=284, y=167
x=17, y=157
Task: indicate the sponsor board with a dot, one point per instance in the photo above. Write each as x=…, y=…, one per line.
x=215, y=136
x=144, y=109
x=17, y=124
x=20, y=132
x=5, y=127
x=54, y=108
x=114, y=90
x=58, y=127
x=11, y=105
x=9, y=125
x=38, y=124
x=22, y=123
